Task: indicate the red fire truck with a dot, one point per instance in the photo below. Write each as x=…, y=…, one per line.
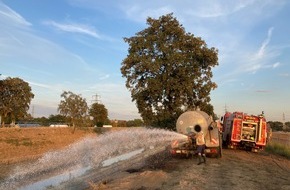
x=241, y=130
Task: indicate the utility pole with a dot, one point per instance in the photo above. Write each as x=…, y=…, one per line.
x=96, y=99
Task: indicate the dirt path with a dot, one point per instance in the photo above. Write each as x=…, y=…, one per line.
x=236, y=170
x=246, y=170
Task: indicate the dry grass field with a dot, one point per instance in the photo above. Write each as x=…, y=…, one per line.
x=282, y=138
x=20, y=144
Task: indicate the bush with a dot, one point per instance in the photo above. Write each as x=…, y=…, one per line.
x=100, y=124
x=278, y=149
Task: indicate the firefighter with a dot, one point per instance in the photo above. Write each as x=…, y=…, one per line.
x=200, y=143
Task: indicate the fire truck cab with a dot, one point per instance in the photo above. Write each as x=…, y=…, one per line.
x=241, y=130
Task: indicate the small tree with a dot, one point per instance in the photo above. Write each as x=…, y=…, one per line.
x=74, y=107
x=99, y=113
x=168, y=71
x=15, y=98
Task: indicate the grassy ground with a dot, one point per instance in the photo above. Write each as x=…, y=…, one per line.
x=279, y=149
x=279, y=144
x=19, y=144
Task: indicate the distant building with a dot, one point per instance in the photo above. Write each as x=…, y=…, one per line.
x=107, y=126
x=58, y=125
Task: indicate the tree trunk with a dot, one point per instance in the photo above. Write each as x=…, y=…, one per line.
x=74, y=127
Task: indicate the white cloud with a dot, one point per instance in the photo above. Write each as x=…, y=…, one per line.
x=104, y=77
x=188, y=9
x=265, y=43
x=40, y=85
x=11, y=16
x=253, y=62
x=79, y=28
x=275, y=65
x=253, y=68
x=211, y=9
x=140, y=14
x=74, y=28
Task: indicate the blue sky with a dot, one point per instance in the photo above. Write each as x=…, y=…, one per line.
x=77, y=45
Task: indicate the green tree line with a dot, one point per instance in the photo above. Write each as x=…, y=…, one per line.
x=278, y=126
x=60, y=119
x=74, y=111
x=16, y=96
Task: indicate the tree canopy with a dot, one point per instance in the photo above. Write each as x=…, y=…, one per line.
x=74, y=107
x=99, y=113
x=15, y=98
x=168, y=71
x=278, y=126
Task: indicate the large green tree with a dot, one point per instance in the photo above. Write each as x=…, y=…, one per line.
x=100, y=114
x=73, y=107
x=168, y=71
x=15, y=98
